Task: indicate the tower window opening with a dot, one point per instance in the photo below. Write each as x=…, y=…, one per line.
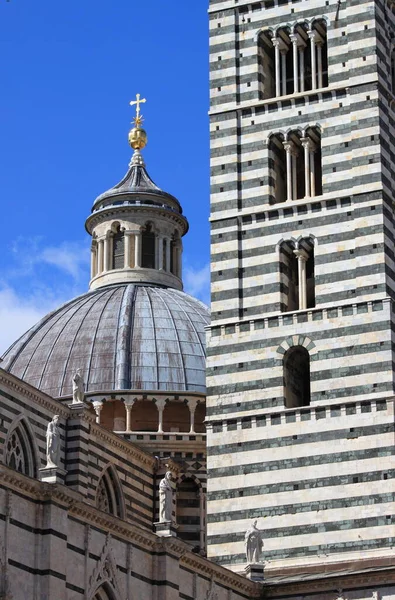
x=148, y=248
x=297, y=377
x=293, y=60
x=295, y=165
x=393, y=71
x=118, y=253
x=297, y=275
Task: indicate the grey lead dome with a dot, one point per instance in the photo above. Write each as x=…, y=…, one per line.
x=122, y=337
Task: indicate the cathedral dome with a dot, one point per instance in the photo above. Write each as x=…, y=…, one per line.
x=122, y=337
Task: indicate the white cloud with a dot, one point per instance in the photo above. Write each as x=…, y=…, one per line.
x=70, y=257
x=19, y=313
x=197, y=282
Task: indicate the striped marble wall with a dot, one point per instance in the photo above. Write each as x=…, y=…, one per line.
x=319, y=478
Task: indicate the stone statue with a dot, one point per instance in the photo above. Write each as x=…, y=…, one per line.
x=53, y=443
x=165, y=499
x=78, y=388
x=253, y=544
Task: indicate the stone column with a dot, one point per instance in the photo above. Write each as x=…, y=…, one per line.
x=312, y=170
x=302, y=74
x=284, y=72
x=319, y=65
x=276, y=44
x=168, y=251
x=137, y=249
x=93, y=260
x=302, y=257
x=288, y=152
x=100, y=256
x=160, y=405
x=106, y=253
x=294, y=176
x=307, y=178
x=192, y=404
x=312, y=36
x=156, y=251
x=128, y=407
x=160, y=252
x=128, y=240
x=294, y=39
x=98, y=406
x=179, y=262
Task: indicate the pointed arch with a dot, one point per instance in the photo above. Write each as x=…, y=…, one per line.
x=20, y=449
x=109, y=494
x=105, y=592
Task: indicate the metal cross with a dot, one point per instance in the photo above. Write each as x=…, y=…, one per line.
x=137, y=102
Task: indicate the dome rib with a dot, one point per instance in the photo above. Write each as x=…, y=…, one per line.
x=45, y=321
x=56, y=340
x=95, y=337
x=177, y=337
x=125, y=327
x=74, y=339
x=149, y=303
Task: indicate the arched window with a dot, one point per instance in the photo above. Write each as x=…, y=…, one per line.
x=295, y=165
x=118, y=252
x=296, y=377
x=297, y=275
x=109, y=496
x=148, y=248
x=19, y=450
x=298, y=59
x=188, y=512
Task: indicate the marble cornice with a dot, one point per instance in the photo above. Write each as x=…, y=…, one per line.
x=332, y=582
x=21, y=387
x=221, y=575
x=114, y=211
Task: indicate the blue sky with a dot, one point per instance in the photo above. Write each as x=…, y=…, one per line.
x=68, y=71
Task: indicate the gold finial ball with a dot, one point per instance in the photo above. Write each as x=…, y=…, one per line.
x=137, y=138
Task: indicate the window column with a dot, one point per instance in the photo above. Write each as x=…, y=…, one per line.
x=319, y=64
x=106, y=252
x=128, y=240
x=302, y=257
x=160, y=252
x=307, y=174
x=128, y=407
x=168, y=250
x=100, y=256
x=93, y=260
x=313, y=149
x=137, y=249
x=276, y=44
x=294, y=39
x=192, y=404
x=313, y=36
x=289, y=152
x=160, y=405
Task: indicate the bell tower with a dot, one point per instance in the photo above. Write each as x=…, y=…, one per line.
x=300, y=405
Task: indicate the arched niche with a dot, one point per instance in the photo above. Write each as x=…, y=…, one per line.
x=176, y=417
x=113, y=416
x=297, y=377
x=144, y=416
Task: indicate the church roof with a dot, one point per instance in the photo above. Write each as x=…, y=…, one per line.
x=137, y=182
x=122, y=337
